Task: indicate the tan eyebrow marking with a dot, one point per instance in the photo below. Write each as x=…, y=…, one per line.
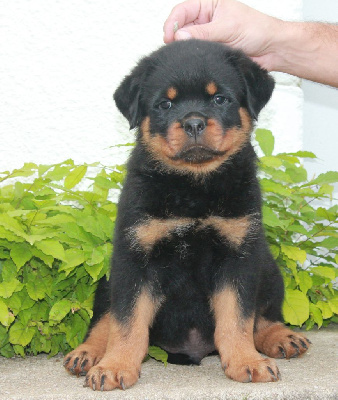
x=211, y=88
x=172, y=93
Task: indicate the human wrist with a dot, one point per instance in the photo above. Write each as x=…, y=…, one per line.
x=288, y=47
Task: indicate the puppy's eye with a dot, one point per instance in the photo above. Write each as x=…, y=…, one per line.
x=165, y=104
x=219, y=99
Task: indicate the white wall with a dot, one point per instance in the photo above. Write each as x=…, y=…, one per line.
x=61, y=61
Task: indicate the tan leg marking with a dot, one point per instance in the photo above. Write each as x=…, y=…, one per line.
x=127, y=346
x=233, y=229
x=89, y=353
x=275, y=340
x=147, y=234
x=235, y=343
x=165, y=149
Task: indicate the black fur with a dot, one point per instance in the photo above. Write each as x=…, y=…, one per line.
x=188, y=267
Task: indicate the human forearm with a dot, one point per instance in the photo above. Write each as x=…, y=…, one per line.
x=306, y=49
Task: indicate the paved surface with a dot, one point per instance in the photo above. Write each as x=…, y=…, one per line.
x=314, y=376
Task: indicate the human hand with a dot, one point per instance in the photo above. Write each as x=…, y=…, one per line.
x=226, y=21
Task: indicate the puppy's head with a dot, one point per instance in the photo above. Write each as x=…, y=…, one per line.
x=194, y=103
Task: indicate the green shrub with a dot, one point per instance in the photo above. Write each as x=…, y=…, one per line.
x=302, y=233
x=55, y=243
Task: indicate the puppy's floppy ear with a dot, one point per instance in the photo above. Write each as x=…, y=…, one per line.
x=128, y=96
x=258, y=83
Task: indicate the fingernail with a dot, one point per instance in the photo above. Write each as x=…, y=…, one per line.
x=183, y=35
x=175, y=26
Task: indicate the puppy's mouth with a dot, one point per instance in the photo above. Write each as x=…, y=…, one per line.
x=198, y=154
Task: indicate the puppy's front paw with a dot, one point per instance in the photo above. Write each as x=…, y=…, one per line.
x=108, y=377
x=252, y=370
x=80, y=360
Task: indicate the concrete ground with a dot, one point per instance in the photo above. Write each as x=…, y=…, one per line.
x=314, y=376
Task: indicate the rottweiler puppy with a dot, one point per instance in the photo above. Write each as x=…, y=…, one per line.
x=191, y=270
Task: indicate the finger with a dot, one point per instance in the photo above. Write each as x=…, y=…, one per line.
x=203, y=32
x=180, y=16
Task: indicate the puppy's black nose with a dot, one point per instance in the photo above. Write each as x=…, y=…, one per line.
x=194, y=126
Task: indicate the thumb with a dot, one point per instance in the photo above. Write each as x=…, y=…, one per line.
x=203, y=32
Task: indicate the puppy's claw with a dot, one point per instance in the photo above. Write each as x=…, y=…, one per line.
x=102, y=382
x=282, y=351
x=295, y=347
x=274, y=377
x=122, y=383
x=74, y=365
x=66, y=361
x=250, y=376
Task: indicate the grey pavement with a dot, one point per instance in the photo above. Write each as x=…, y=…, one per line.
x=314, y=376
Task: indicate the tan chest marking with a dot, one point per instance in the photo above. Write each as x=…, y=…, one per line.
x=232, y=229
x=149, y=232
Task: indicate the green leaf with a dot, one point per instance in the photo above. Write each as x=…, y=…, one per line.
x=304, y=154
x=158, y=354
x=20, y=254
x=75, y=176
x=91, y=224
x=325, y=308
x=295, y=307
x=6, y=317
x=96, y=257
x=94, y=270
x=105, y=183
x=9, y=270
x=8, y=288
x=297, y=174
x=275, y=187
x=316, y=314
x=73, y=258
x=271, y=161
x=51, y=248
x=305, y=281
x=12, y=225
x=76, y=331
x=326, y=214
x=325, y=272
x=274, y=251
x=36, y=288
x=327, y=177
x=333, y=303
x=48, y=260
x=271, y=219
x=60, y=309
x=294, y=253
x=265, y=140
x=20, y=334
